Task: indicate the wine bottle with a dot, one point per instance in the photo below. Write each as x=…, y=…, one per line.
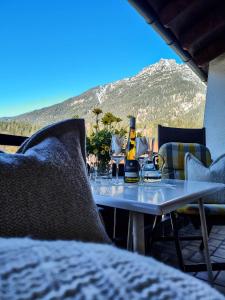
x=131, y=169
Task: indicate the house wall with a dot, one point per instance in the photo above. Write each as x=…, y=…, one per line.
x=214, y=119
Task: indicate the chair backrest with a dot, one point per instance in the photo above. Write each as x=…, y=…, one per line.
x=11, y=140
x=180, y=135
x=171, y=158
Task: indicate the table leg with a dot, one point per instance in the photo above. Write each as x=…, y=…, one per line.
x=138, y=232
x=129, y=233
x=151, y=240
x=177, y=241
x=205, y=239
x=114, y=223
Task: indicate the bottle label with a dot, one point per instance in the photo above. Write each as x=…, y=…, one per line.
x=131, y=171
x=131, y=174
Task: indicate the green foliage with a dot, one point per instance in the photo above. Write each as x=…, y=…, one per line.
x=108, y=119
x=121, y=131
x=99, y=142
x=139, y=134
x=97, y=111
x=118, y=120
x=18, y=128
x=129, y=116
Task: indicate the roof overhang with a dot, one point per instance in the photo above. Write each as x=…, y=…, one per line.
x=194, y=29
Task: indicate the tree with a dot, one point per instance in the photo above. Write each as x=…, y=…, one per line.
x=108, y=119
x=118, y=120
x=97, y=111
x=129, y=116
x=75, y=117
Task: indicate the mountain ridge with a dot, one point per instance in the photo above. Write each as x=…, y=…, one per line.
x=165, y=92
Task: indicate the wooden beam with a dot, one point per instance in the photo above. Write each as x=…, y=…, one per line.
x=212, y=50
x=158, y=5
x=173, y=9
x=11, y=140
x=209, y=25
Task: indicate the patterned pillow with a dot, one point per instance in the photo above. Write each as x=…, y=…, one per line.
x=195, y=170
x=171, y=158
x=44, y=189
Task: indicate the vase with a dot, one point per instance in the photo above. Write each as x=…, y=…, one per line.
x=104, y=169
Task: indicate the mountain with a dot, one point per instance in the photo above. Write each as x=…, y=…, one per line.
x=165, y=92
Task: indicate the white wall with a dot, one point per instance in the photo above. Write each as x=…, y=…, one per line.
x=214, y=119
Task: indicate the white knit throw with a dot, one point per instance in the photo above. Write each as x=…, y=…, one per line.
x=73, y=270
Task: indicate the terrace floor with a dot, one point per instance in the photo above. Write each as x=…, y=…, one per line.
x=165, y=252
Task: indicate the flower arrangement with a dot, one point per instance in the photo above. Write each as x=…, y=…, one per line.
x=99, y=141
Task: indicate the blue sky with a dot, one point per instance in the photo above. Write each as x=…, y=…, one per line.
x=54, y=49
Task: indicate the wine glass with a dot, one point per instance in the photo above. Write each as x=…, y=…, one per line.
x=92, y=161
x=117, y=153
x=142, y=147
x=150, y=152
x=142, y=160
x=117, y=158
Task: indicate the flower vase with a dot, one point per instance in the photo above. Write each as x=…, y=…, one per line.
x=104, y=169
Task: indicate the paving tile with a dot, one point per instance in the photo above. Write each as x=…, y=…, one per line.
x=204, y=275
x=222, y=244
x=192, y=273
x=217, y=227
x=219, y=288
x=212, y=247
x=211, y=251
x=220, y=252
x=222, y=249
x=214, y=230
x=166, y=252
x=217, y=259
x=189, y=262
x=191, y=247
x=187, y=253
x=220, y=279
x=214, y=242
x=218, y=236
x=197, y=258
x=195, y=243
x=221, y=229
x=184, y=243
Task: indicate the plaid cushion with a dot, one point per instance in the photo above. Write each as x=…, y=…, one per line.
x=210, y=209
x=171, y=158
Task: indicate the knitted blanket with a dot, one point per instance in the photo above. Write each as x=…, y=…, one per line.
x=74, y=270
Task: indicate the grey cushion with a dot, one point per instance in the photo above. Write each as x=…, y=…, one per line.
x=44, y=189
x=195, y=170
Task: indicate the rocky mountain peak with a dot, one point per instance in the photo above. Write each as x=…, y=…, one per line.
x=162, y=93
x=161, y=65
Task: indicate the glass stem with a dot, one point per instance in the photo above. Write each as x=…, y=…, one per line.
x=117, y=172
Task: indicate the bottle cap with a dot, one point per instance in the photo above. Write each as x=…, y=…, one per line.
x=132, y=122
